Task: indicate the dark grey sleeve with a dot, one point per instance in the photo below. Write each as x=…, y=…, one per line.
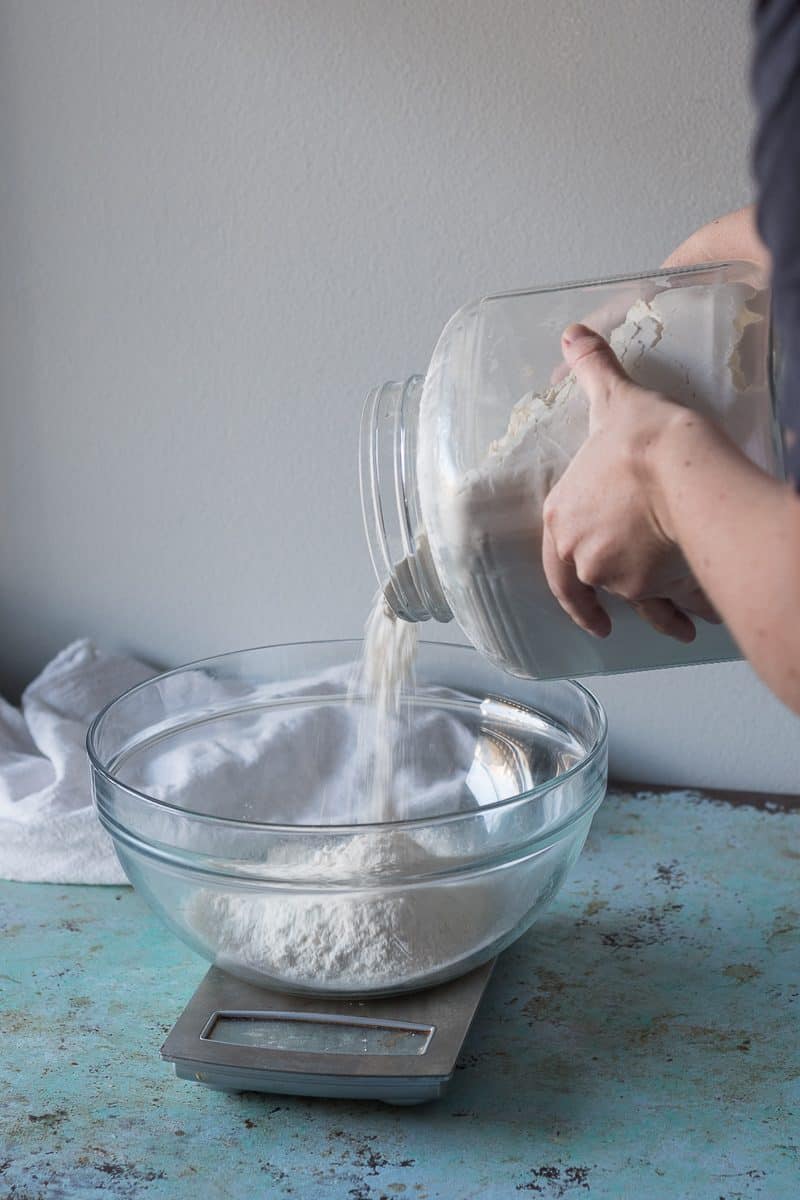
x=776, y=162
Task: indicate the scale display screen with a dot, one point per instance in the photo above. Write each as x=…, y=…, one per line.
x=318, y=1033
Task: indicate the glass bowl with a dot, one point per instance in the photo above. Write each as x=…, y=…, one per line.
x=225, y=787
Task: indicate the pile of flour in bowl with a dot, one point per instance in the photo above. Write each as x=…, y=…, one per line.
x=373, y=937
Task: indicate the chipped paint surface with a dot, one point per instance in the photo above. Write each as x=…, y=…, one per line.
x=642, y=1041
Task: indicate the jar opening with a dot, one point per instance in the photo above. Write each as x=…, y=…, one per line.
x=393, y=523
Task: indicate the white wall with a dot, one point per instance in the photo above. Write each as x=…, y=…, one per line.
x=221, y=223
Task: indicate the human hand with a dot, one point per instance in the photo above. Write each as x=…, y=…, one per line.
x=605, y=524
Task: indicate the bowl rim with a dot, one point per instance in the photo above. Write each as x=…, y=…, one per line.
x=365, y=827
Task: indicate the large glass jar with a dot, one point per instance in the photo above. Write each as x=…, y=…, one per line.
x=455, y=465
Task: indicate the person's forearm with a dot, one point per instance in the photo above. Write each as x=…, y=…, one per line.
x=740, y=533
x=733, y=236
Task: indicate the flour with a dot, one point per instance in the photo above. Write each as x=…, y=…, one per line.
x=377, y=937
x=385, y=673
x=484, y=521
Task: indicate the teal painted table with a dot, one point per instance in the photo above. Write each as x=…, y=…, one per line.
x=642, y=1041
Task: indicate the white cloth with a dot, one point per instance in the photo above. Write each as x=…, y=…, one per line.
x=287, y=765
x=49, y=831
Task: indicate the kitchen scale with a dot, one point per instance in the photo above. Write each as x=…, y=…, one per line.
x=234, y=1036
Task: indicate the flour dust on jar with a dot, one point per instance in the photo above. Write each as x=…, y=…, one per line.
x=455, y=466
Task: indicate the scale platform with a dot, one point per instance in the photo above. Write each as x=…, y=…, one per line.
x=234, y=1036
